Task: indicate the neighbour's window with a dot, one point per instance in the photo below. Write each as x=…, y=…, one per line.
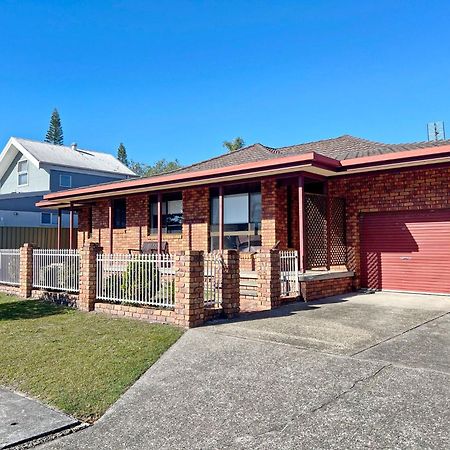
x=49, y=218
x=241, y=217
x=172, y=213
x=65, y=181
x=46, y=218
x=119, y=213
x=22, y=169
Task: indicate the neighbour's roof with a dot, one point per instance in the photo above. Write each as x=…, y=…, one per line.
x=60, y=155
x=340, y=148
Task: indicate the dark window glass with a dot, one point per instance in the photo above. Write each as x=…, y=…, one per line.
x=120, y=213
x=172, y=213
x=242, y=219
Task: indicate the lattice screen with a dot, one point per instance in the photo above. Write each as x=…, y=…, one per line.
x=316, y=231
x=338, y=244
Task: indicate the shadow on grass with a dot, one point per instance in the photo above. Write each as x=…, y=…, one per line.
x=28, y=309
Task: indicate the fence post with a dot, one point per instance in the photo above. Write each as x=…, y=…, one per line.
x=230, y=284
x=88, y=275
x=189, y=288
x=26, y=270
x=269, y=283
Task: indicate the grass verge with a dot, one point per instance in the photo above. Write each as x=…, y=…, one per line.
x=78, y=362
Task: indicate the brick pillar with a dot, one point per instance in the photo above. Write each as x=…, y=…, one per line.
x=269, y=285
x=189, y=288
x=26, y=270
x=230, y=283
x=88, y=275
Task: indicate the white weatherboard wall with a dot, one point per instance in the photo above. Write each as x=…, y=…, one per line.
x=38, y=179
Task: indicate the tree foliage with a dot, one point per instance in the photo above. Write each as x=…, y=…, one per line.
x=234, y=145
x=122, y=154
x=161, y=166
x=55, y=132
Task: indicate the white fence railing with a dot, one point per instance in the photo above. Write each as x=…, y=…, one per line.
x=10, y=266
x=213, y=279
x=289, y=273
x=141, y=279
x=56, y=269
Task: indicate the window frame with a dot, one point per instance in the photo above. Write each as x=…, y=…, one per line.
x=123, y=220
x=46, y=214
x=235, y=231
x=61, y=175
x=153, y=218
x=22, y=172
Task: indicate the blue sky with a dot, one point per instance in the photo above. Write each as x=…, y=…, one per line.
x=174, y=79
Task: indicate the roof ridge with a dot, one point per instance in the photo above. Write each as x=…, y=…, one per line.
x=68, y=147
x=217, y=157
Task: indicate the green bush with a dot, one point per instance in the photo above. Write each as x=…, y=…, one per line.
x=140, y=276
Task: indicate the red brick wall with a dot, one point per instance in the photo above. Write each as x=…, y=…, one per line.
x=274, y=214
x=137, y=230
x=313, y=290
x=196, y=219
x=399, y=191
x=136, y=312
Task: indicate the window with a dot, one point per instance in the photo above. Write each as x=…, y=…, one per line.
x=46, y=218
x=241, y=217
x=65, y=181
x=119, y=213
x=172, y=213
x=49, y=218
x=22, y=169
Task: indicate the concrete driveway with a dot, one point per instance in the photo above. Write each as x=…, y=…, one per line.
x=359, y=371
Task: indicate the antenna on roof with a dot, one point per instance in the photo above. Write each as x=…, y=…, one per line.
x=436, y=131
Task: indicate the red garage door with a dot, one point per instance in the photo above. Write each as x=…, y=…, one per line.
x=408, y=251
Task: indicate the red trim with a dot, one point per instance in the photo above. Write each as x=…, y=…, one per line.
x=315, y=159
x=59, y=229
x=221, y=218
x=301, y=223
x=110, y=225
x=392, y=171
x=386, y=158
x=199, y=175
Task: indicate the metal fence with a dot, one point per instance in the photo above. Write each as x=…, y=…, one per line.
x=10, y=266
x=15, y=237
x=289, y=273
x=213, y=279
x=141, y=279
x=56, y=269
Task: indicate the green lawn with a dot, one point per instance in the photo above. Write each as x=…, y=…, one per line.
x=78, y=362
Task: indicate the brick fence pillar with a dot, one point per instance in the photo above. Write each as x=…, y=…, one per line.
x=189, y=288
x=88, y=275
x=230, y=283
x=26, y=270
x=269, y=284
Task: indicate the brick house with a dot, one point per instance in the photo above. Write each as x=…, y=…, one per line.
x=360, y=213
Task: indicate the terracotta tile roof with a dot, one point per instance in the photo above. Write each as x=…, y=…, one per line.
x=340, y=148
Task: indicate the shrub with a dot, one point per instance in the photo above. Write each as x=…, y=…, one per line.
x=140, y=279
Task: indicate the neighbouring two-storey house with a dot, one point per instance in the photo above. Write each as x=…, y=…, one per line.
x=31, y=169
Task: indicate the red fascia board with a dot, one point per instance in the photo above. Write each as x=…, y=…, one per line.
x=313, y=158
x=386, y=158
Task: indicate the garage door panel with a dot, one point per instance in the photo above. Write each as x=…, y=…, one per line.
x=406, y=251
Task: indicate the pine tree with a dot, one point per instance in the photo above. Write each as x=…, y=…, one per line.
x=55, y=132
x=122, y=154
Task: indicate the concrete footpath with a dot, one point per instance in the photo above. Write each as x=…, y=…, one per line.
x=364, y=371
x=22, y=419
